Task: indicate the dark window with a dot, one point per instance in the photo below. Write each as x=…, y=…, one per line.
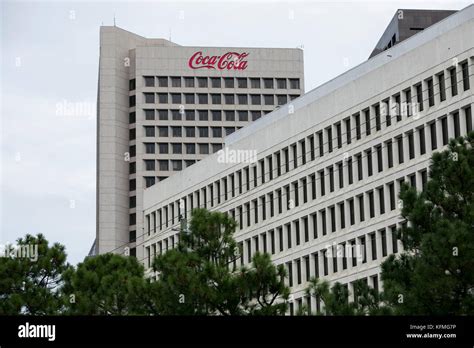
x=149, y=98
x=132, y=84
x=149, y=181
x=228, y=82
x=242, y=99
x=367, y=122
x=339, y=135
x=190, y=148
x=256, y=115
x=465, y=75
x=368, y=154
x=442, y=87
x=430, y=92
x=202, y=98
x=229, y=99
x=358, y=130
x=411, y=145
x=267, y=83
x=378, y=125
x=457, y=126
x=454, y=81
x=329, y=138
x=255, y=99
x=254, y=82
x=176, y=81
x=162, y=81
x=421, y=135
x=149, y=148
x=281, y=83
x=381, y=200
x=149, y=131
x=242, y=82
x=177, y=165
x=282, y=99
x=444, y=130
x=163, y=131
x=468, y=116
x=294, y=83
x=389, y=145
x=408, y=107
x=149, y=81
x=176, y=115
x=371, y=204
x=189, y=98
x=176, y=131
x=202, y=82
x=433, y=136
x=419, y=96
x=215, y=82
x=189, y=82
x=163, y=148
x=177, y=148
x=400, y=150
x=216, y=115
x=149, y=164
x=378, y=149
x=391, y=190
x=162, y=98
x=162, y=115
x=175, y=98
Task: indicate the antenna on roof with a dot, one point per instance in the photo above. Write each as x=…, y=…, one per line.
x=114, y=19
x=170, y=33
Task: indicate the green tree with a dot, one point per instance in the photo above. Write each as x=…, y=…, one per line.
x=106, y=284
x=199, y=277
x=435, y=273
x=30, y=285
x=334, y=300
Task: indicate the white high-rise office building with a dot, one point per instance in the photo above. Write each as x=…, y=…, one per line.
x=162, y=107
x=330, y=163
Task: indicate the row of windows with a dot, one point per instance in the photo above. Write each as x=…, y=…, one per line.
x=214, y=98
x=217, y=82
x=343, y=173
x=202, y=115
x=284, y=157
x=180, y=148
x=189, y=132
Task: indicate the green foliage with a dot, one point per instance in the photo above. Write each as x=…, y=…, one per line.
x=335, y=300
x=107, y=284
x=435, y=274
x=199, y=278
x=30, y=285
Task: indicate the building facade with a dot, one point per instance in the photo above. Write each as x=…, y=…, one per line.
x=322, y=196
x=162, y=107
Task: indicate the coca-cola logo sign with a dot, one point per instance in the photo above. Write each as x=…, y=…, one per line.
x=227, y=61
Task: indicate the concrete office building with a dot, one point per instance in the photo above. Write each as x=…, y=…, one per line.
x=162, y=107
x=330, y=163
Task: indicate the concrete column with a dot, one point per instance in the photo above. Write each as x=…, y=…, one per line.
x=439, y=133
x=321, y=264
x=312, y=268
x=378, y=243
x=451, y=124
x=368, y=246
x=462, y=121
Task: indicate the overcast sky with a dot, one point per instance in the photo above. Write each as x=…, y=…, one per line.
x=50, y=52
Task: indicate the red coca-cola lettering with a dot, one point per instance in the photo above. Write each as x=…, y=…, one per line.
x=228, y=61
